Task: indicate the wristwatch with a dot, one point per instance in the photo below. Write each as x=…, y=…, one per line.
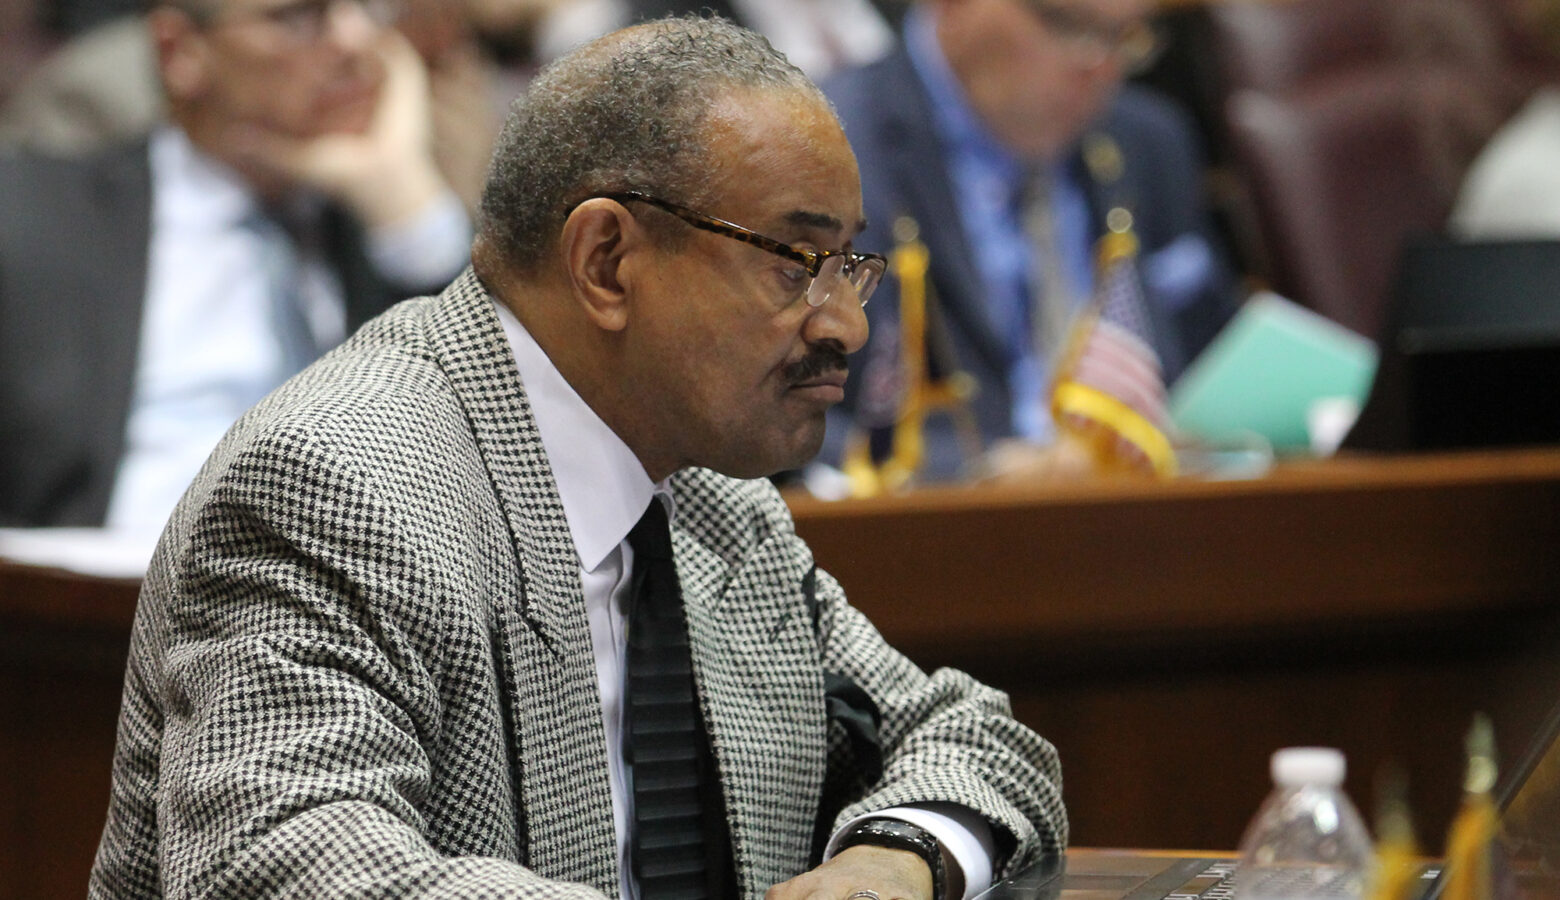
x=897, y=834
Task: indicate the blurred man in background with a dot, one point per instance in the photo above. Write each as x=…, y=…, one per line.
x=102, y=86
x=151, y=293
x=1002, y=132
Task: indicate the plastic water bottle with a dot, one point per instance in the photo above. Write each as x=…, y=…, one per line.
x=1307, y=841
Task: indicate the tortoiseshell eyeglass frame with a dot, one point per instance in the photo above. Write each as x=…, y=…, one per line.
x=862, y=270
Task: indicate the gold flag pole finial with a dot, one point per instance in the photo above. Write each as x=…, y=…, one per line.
x=1397, y=851
x=910, y=260
x=908, y=263
x=1470, y=843
x=1122, y=431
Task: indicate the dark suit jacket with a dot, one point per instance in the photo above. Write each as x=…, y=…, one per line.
x=74, y=241
x=888, y=117
x=361, y=664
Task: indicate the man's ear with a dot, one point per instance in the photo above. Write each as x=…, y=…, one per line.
x=597, y=239
x=182, y=54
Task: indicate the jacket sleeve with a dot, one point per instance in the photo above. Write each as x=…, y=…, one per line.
x=946, y=738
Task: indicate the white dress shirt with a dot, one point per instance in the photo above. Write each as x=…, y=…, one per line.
x=1512, y=190
x=208, y=346
x=604, y=489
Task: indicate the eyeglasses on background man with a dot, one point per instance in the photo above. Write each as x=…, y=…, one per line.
x=304, y=22
x=1134, y=44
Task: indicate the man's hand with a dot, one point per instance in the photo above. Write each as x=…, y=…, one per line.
x=1017, y=462
x=386, y=174
x=464, y=124
x=890, y=874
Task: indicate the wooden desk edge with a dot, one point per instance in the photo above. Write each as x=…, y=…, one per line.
x=1343, y=473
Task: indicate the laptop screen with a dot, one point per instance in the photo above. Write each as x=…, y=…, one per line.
x=1530, y=817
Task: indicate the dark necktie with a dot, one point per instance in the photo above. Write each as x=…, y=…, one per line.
x=680, y=846
x=1053, y=300
x=284, y=288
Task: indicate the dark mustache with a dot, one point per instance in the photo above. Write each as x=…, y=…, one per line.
x=821, y=359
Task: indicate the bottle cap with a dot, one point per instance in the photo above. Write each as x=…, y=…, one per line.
x=1298, y=766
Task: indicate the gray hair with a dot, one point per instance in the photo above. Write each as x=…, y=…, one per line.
x=625, y=112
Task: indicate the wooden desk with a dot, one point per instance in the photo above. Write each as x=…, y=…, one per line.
x=1168, y=637
x=62, y=653
x=1165, y=637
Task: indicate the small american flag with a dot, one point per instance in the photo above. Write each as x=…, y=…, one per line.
x=1110, y=387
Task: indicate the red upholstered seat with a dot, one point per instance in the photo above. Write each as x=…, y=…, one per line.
x=1351, y=122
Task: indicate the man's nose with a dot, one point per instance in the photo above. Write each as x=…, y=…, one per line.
x=842, y=319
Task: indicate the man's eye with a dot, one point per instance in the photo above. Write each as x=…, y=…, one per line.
x=794, y=274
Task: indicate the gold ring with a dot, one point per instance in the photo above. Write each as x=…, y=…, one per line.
x=864, y=893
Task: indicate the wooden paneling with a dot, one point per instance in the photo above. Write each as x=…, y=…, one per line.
x=62, y=652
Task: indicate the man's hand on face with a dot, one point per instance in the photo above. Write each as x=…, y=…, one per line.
x=385, y=174
x=890, y=874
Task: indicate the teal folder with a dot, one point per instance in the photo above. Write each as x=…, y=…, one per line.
x=1262, y=373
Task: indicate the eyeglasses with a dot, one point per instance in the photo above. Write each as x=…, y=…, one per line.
x=305, y=22
x=826, y=269
x=1134, y=45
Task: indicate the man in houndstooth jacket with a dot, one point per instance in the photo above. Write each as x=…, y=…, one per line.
x=378, y=652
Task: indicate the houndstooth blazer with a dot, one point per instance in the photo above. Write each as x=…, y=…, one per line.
x=360, y=664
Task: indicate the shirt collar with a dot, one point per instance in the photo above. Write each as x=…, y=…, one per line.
x=603, y=486
x=195, y=190
x=954, y=119
x=198, y=191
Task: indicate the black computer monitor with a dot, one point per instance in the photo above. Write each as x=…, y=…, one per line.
x=1470, y=356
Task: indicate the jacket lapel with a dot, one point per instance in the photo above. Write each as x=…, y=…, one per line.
x=550, y=680
x=756, y=660
x=755, y=651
